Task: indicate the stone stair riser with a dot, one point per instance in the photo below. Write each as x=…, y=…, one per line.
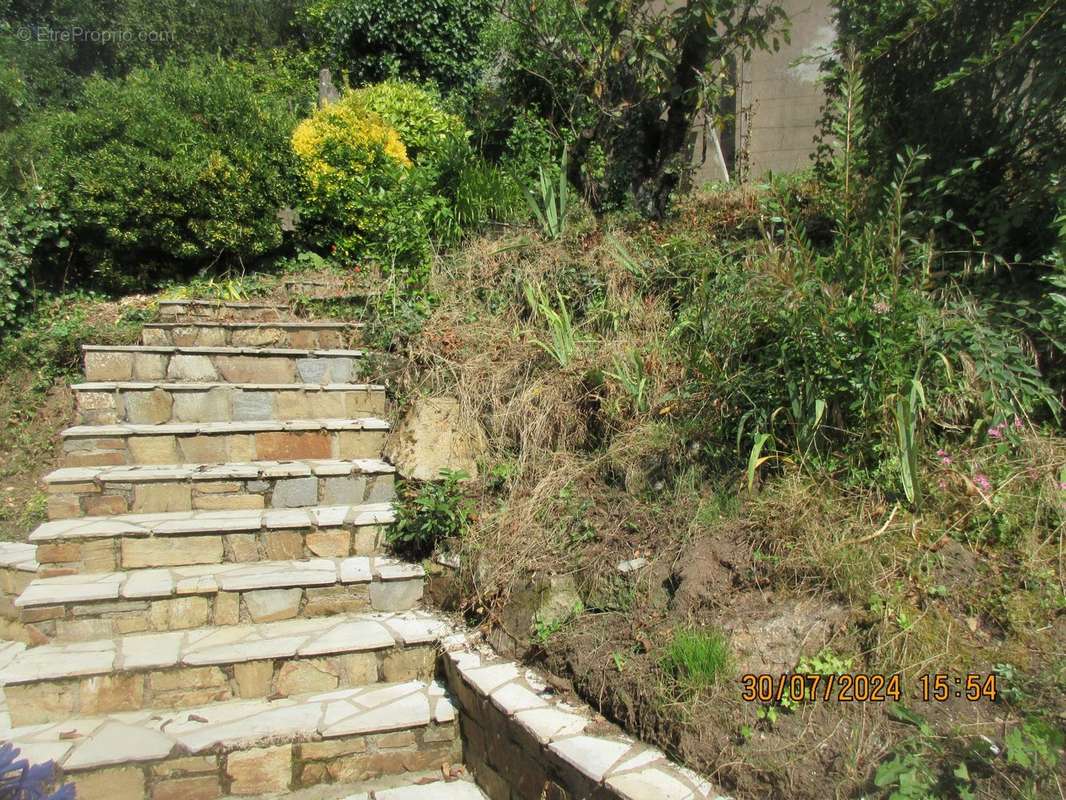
x=264, y=335
x=189, y=686
x=90, y=621
x=274, y=769
x=221, y=448
x=224, y=404
x=190, y=311
x=108, y=554
x=12, y=584
x=300, y=367
x=106, y=498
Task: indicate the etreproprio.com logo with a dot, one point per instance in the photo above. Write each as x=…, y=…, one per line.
x=45, y=33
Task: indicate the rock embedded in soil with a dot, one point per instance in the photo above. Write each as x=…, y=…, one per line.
x=772, y=637
x=435, y=435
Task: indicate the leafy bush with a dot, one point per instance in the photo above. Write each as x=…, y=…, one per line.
x=429, y=133
x=23, y=228
x=431, y=512
x=371, y=40
x=373, y=166
x=624, y=82
x=530, y=147
x=979, y=87
x=357, y=190
x=171, y=169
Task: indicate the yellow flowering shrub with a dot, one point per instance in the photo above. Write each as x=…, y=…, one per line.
x=341, y=139
x=358, y=194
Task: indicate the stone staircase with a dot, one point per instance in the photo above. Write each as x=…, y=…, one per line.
x=210, y=609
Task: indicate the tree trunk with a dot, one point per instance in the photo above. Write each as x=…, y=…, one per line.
x=669, y=154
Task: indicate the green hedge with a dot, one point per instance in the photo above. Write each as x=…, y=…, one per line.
x=172, y=169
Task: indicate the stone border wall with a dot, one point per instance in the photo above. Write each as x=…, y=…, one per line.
x=521, y=742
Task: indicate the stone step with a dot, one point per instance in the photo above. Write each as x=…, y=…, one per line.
x=155, y=403
x=183, y=538
x=223, y=442
x=186, y=310
x=105, y=491
x=102, y=605
x=317, y=334
x=254, y=747
x=185, y=669
x=435, y=790
x=138, y=541
x=18, y=568
x=421, y=785
x=220, y=364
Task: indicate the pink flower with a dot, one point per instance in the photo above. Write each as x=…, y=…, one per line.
x=982, y=482
x=881, y=307
x=944, y=457
x=996, y=432
x=1018, y=423
x=1062, y=487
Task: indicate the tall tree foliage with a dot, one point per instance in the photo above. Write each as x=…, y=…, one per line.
x=628, y=78
x=980, y=87
x=371, y=40
x=48, y=47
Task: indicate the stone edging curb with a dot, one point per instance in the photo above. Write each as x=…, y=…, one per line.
x=518, y=736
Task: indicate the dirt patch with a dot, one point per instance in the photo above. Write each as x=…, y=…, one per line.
x=709, y=570
x=31, y=449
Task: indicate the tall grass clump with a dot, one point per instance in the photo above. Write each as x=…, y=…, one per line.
x=697, y=659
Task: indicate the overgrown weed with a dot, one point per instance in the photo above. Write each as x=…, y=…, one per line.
x=694, y=336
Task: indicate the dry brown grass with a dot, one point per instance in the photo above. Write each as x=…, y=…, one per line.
x=555, y=428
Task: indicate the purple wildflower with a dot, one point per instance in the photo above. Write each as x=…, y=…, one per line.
x=996, y=432
x=945, y=458
x=982, y=482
